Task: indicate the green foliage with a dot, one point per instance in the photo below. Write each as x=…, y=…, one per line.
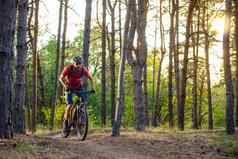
x=48, y=55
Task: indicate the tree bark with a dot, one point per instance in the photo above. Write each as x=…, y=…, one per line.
x=227, y=70
x=185, y=64
x=120, y=30
x=236, y=41
x=195, y=67
x=41, y=82
x=7, y=31
x=170, y=72
x=176, y=61
x=158, y=105
x=103, y=78
x=126, y=47
x=34, y=69
x=55, y=93
x=62, y=53
x=154, y=60
x=21, y=66
x=87, y=30
x=112, y=58
x=145, y=89
x=206, y=49
x=138, y=24
x=200, y=102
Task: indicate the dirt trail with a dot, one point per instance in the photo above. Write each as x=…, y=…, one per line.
x=130, y=145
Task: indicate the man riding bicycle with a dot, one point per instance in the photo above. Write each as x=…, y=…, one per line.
x=71, y=79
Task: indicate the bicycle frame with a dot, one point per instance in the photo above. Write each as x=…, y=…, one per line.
x=78, y=116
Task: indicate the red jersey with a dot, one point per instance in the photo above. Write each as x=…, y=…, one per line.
x=73, y=75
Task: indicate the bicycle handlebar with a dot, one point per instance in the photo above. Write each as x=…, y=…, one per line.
x=82, y=92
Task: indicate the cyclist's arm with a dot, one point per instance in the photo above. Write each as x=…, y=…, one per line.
x=91, y=82
x=62, y=80
x=89, y=76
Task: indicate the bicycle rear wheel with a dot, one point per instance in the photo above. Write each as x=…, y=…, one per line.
x=82, y=125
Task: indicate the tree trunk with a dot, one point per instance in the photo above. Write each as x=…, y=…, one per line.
x=158, y=105
x=194, y=88
x=21, y=66
x=185, y=64
x=171, y=50
x=87, y=30
x=154, y=60
x=103, y=78
x=176, y=61
x=55, y=93
x=227, y=70
x=41, y=80
x=34, y=69
x=236, y=41
x=40, y=98
x=121, y=76
x=145, y=87
x=140, y=116
x=7, y=31
x=137, y=62
x=27, y=99
x=206, y=49
x=112, y=58
x=195, y=67
x=200, y=103
x=119, y=27
x=28, y=85
x=62, y=53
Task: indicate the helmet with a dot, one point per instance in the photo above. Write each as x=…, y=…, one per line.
x=77, y=59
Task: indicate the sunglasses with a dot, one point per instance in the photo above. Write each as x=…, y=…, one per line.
x=78, y=63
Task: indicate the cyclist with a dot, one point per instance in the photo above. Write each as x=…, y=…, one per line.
x=71, y=79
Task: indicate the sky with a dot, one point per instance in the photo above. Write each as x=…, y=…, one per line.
x=49, y=25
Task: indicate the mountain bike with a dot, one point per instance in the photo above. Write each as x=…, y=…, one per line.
x=78, y=119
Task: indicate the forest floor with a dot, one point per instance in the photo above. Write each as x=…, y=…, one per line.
x=152, y=144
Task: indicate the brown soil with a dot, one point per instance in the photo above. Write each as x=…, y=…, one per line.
x=130, y=145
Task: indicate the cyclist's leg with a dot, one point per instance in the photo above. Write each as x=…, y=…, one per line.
x=69, y=98
x=84, y=97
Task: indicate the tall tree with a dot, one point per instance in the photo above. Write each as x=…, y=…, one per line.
x=158, y=104
x=112, y=57
x=21, y=66
x=185, y=65
x=87, y=29
x=201, y=91
x=145, y=89
x=41, y=82
x=176, y=60
x=65, y=26
x=56, y=83
x=206, y=49
x=103, y=78
x=126, y=47
x=236, y=41
x=171, y=51
x=195, y=68
x=34, y=67
x=28, y=86
x=227, y=69
x=154, y=61
x=7, y=31
x=137, y=61
x=119, y=27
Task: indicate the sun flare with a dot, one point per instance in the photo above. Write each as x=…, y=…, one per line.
x=218, y=25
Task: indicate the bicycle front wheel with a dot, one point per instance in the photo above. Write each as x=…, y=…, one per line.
x=82, y=125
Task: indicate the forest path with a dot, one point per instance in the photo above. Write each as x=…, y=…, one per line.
x=130, y=145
